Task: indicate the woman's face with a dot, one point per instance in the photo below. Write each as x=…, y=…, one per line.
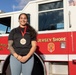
x=23, y=20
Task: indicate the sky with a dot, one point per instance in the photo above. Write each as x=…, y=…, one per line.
x=12, y=5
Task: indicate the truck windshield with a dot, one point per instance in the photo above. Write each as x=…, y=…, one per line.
x=5, y=24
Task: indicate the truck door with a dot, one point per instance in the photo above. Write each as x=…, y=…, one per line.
x=72, y=41
x=5, y=24
x=52, y=38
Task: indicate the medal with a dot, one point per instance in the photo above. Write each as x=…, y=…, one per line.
x=23, y=41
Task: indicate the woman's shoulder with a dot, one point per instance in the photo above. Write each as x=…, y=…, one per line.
x=14, y=29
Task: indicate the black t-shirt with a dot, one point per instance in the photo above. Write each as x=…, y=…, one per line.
x=16, y=36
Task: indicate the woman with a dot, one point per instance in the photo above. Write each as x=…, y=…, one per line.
x=22, y=45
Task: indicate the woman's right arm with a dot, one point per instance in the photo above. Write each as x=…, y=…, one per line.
x=11, y=49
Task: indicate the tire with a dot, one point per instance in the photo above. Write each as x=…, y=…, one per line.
x=38, y=69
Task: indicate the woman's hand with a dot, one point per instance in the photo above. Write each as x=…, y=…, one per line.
x=24, y=58
x=19, y=58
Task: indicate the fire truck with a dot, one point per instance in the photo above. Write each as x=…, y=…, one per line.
x=55, y=22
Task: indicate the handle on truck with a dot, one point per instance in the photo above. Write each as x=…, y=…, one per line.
x=70, y=20
x=74, y=61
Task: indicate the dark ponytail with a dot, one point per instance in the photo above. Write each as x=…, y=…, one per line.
x=32, y=31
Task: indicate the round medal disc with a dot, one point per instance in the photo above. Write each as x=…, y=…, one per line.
x=23, y=41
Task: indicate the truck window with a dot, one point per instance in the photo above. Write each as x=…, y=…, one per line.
x=5, y=24
x=51, y=16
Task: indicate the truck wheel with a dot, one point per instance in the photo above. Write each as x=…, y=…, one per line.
x=38, y=69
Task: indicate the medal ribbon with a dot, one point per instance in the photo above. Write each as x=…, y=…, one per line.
x=24, y=32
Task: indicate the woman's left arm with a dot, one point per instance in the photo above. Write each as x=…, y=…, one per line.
x=33, y=48
x=31, y=52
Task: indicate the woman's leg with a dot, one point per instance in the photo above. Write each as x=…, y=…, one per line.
x=28, y=66
x=15, y=66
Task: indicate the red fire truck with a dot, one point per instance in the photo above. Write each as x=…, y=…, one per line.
x=54, y=20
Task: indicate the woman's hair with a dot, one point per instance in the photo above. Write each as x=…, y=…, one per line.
x=31, y=30
x=23, y=14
